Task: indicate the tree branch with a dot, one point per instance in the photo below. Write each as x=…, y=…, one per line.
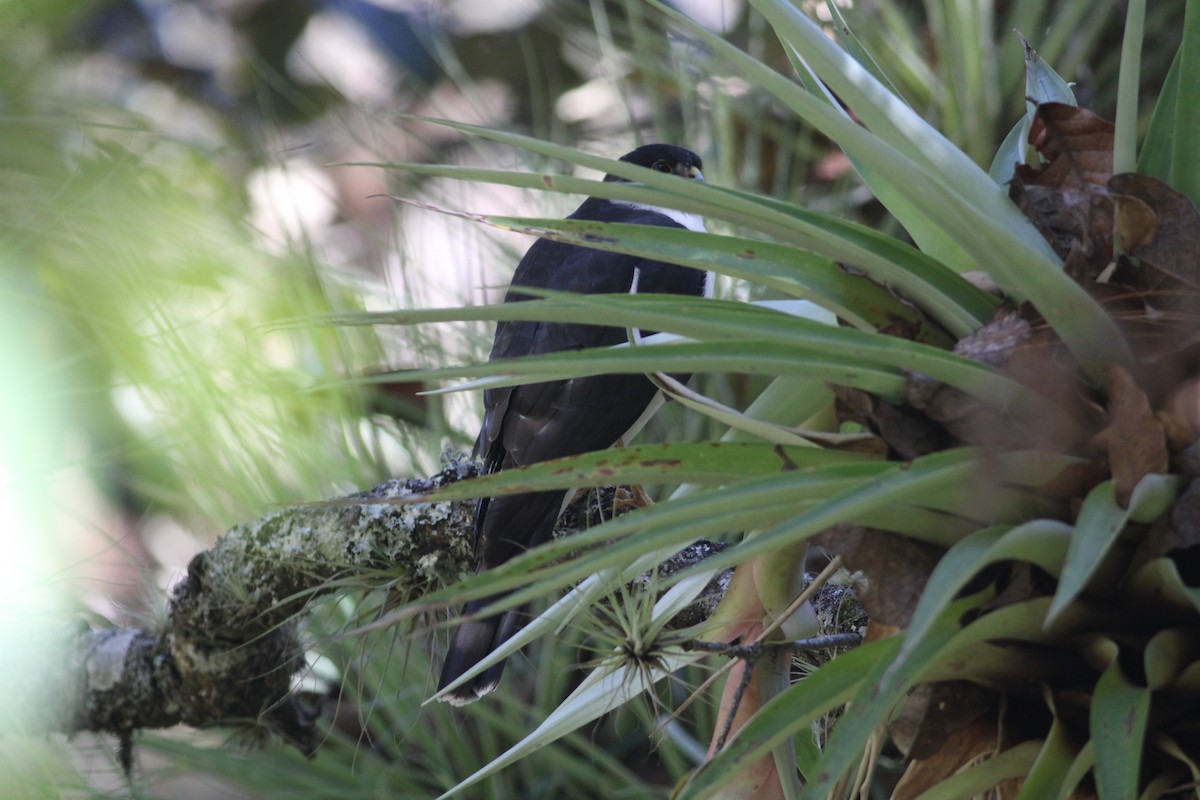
x=228, y=650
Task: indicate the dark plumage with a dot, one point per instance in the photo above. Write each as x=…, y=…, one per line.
x=527, y=424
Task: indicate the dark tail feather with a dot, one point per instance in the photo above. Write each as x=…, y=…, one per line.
x=473, y=641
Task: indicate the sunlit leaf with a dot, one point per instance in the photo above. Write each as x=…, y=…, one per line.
x=934, y=177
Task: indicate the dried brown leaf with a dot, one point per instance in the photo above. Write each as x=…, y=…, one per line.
x=1067, y=196
x=1136, y=223
x=1076, y=144
x=1137, y=444
x=933, y=712
x=1185, y=518
x=1036, y=358
x=1161, y=228
x=1178, y=429
x=994, y=343
x=907, y=433
x=979, y=740
x=896, y=568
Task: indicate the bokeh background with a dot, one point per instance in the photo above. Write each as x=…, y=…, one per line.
x=186, y=188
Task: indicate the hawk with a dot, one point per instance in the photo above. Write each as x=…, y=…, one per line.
x=527, y=424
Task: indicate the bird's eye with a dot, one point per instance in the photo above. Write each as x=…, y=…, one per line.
x=661, y=166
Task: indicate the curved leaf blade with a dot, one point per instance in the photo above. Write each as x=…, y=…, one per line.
x=1119, y=715
x=1101, y=520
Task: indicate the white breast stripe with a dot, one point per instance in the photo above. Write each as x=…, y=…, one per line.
x=693, y=222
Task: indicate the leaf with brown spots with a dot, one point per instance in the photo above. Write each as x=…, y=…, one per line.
x=1137, y=444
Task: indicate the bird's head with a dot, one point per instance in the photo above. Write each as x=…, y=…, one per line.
x=665, y=158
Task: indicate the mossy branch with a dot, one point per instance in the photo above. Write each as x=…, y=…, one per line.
x=229, y=648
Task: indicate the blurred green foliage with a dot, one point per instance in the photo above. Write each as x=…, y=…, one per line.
x=154, y=316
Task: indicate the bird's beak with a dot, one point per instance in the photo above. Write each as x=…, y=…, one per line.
x=689, y=172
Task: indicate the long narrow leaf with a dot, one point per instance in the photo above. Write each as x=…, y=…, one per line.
x=945, y=296
x=787, y=269
x=919, y=481
x=977, y=215
x=1125, y=135
x=692, y=462
x=768, y=335
x=1169, y=149
x=751, y=502
x=1119, y=713
x=769, y=358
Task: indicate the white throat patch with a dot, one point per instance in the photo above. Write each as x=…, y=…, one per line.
x=693, y=222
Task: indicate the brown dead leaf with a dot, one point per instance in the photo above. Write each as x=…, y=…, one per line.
x=1137, y=444
x=979, y=740
x=1067, y=197
x=1076, y=144
x=877, y=631
x=896, y=568
x=1034, y=357
x=907, y=433
x=1183, y=402
x=1178, y=429
x=1185, y=518
x=853, y=404
x=1161, y=228
x=1136, y=222
x=933, y=712
x=994, y=343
